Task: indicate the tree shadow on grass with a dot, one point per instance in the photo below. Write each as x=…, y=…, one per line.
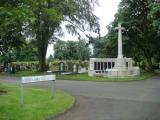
x=2, y=92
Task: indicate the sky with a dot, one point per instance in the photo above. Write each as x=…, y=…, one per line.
x=105, y=12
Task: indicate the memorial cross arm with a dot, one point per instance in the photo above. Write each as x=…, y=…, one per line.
x=119, y=27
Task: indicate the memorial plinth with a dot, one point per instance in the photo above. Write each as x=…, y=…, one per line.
x=113, y=67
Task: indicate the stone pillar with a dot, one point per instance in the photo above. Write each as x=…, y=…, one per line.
x=120, y=62
x=91, y=64
x=99, y=66
x=120, y=48
x=111, y=65
x=91, y=70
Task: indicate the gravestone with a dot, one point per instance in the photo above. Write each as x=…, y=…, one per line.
x=61, y=66
x=12, y=69
x=75, y=68
x=8, y=68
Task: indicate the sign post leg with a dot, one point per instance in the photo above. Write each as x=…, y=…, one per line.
x=52, y=88
x=117, y=74
x=21, y=96
x=30, y=79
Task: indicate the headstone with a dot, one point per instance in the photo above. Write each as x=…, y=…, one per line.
x=61, y=66
x=12, y=69
x=8, y=68
x=75, y=70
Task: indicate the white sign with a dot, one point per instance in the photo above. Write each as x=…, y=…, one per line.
x=35, y=79
x=38, y=78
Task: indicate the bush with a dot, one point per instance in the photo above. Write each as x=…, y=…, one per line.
x=55, y=65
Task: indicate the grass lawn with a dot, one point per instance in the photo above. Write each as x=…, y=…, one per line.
x=85, y=77
x=38, y=103
x=23, y=73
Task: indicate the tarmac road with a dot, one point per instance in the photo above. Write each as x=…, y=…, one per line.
x=109, y=100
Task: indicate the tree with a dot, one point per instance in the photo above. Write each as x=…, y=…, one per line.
x=27, y=52
x=154, y=16
x=6, y=37
x=60, y=50
x=49, y=14
x=83, y=50
x=71, y=50
x=41, y=20
x=12, y=16
x=140, y=37
x=139, y=28
x=104, y=47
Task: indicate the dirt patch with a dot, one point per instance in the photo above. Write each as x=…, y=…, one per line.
x=2, y=92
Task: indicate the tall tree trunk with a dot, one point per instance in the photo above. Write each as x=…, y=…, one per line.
x=42, y=44
x=42, y=58
x=148, y=54
x=42, y=50
x=150, y=64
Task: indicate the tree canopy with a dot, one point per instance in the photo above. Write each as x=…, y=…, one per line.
x=141, y=35
x=71, y=50
x=10, y=25
x=41, y=20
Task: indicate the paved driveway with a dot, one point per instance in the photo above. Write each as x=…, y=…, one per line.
x=110, y=101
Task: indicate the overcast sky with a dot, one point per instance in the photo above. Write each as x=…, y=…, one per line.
x=105, y=11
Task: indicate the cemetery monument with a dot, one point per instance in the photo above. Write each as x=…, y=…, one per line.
x=113, y=67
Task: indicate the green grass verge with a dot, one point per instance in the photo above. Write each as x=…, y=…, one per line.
x=28, y=73
x=24, y=73
x=38, y=104
x=85, y=77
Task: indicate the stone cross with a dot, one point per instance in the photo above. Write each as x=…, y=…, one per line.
x=120, y=50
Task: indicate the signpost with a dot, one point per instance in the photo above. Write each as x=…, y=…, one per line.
x=31, y=79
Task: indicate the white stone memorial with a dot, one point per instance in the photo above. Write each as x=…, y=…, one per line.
x=120, y=62
x=61, y=66
x=74, y=68
x=113, y=67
